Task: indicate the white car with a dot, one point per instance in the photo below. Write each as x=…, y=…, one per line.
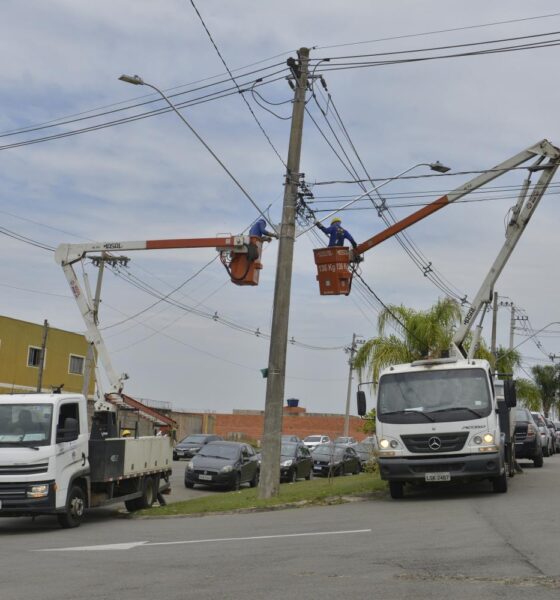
x=312, y=441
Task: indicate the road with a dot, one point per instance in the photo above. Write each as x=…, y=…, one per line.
x=457, y=543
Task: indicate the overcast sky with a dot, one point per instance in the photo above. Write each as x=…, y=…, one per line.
x=152, y=179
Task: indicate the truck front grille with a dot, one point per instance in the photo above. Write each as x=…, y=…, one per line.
x=13, y=491
x=24, y=469
x=435, y=442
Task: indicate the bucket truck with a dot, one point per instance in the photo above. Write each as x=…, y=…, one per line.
x=50, y=461
x=444, y=419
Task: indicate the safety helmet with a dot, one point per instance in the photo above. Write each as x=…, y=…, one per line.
x=126, y=433
x=336, y=220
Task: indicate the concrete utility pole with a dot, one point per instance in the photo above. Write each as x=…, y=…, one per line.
x=352, y=349
x=494, y=324
x=42, y=360
x=270, y=469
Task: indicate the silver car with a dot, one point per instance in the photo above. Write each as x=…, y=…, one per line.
x=546, y=437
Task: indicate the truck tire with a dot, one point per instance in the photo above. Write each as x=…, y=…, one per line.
x=147, y=498
x=396, y=489
x=538, y=461
x=75, y=507
x=500, y=483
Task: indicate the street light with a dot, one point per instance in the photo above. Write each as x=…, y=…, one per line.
x=434, y=166
x=137, y=80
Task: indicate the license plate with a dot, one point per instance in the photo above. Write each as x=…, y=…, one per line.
x=205, y=477
x=437, y=477
x=179, y=453
x=317, y=469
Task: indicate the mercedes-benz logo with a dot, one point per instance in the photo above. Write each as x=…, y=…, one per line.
x=434, y=443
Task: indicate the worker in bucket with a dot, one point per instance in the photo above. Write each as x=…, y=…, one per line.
x=337, y=234
x=258, y=229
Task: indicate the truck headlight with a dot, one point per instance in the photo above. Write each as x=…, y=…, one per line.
x=384, y=444
x=38, y=491
x=485, y=438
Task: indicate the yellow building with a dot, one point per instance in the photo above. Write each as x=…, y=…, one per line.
x=20, y=358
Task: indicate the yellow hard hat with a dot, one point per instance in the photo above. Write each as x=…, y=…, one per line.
x=335, y=220
x=126, y=433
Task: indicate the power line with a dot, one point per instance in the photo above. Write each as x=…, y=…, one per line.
x=438, y=31
x=235, y=82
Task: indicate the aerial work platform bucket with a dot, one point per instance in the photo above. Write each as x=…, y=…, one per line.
x=333, y=270
x=245, y=267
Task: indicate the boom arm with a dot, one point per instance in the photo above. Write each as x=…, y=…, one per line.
x=542, y=149
x=68, y=254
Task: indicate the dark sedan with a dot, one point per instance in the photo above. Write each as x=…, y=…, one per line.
x=223, y=464
x=191, y=444
x=295, y=462
x=331, y=460
x=527, y=437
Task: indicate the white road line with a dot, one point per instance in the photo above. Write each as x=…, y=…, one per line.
x=131, y=545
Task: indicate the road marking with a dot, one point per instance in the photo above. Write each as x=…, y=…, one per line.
x=131, y=545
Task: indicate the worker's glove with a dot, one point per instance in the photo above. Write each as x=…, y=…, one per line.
x=275, y=235
x=266, y=238
x=357, y=258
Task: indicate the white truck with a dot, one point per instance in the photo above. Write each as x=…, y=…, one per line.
x=51, y=464
x=444, y=419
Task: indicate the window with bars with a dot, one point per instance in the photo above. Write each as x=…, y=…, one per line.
x=34, y=356
x=76, y=365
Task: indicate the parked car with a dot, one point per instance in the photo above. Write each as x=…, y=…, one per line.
x=371, y=440
x=312, y=441
x=330, y=459
x=223, y=464
x=295, y=462
x=348, y=441
x=552, y=429
x=557, y=436
x=365, y=453
x=528, y=440
x=290, y=438
x=546, y=437
x=191, y=444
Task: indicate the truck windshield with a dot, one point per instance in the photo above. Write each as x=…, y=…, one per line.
x=25, y=424
x=446, y=395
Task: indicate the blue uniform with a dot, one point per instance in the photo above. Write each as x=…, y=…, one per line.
x=258, y=229
x=337, y=234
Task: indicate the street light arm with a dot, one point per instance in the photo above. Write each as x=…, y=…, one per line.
x=436, y=166
x=137, y=80
x=536, y=333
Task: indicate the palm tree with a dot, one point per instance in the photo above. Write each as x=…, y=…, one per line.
x=507, y=359
x=528, y=393
x=546, y=379
x=420, y=334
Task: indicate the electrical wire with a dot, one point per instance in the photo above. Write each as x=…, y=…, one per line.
x=238, y=88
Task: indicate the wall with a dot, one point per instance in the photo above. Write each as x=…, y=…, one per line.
x=17, y=377
x=296, y=421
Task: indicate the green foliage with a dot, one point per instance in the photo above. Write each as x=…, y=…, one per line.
x=547, y=381
x=507, y=360
x=422, y=333
x=369, y=423
x=528, y=394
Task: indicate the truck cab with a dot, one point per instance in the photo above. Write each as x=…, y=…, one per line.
x=439, y=420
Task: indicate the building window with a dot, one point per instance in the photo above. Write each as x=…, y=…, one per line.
x=76, y=365
x=33, y=356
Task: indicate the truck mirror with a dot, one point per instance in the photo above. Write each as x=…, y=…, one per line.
x=510, y=393
x=361, y=399
x=69, y=432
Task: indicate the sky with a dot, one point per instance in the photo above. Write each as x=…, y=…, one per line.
x=150, y=178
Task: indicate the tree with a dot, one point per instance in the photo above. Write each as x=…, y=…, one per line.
x=528, y=393
x=507, y=360
x=369, y=424
x=546, y=379
x=419, y=334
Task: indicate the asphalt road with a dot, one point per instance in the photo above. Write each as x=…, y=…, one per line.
x=457, y=543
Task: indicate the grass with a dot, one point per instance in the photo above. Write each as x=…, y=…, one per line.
x=316, y=491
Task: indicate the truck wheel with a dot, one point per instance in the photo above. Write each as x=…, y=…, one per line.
x=538, y=461
x=147, y=498
x=75, y=506
x=500, y=484
x=396, y=489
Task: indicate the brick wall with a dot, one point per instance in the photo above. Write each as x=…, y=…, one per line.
x=296, y=422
